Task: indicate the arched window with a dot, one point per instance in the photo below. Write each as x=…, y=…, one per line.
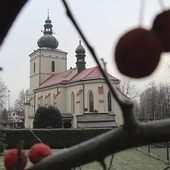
x=109, y=101
x=91, y=102
x=72, y=103
x=34, y=68
x=53, y=66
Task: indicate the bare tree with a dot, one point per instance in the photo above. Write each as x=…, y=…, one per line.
x=154, y=101
x=5, y=114
x=150, y=103
x=164, y=99
x=128, y=87
x=19, y=103
x=3, y=95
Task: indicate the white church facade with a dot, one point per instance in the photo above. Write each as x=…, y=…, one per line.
x=81, y=94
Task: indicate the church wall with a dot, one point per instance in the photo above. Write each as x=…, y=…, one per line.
x=74, y=96
x=28, y=119
x=94, y=88
x=54, y=96
x=118, y=112
x=61, y=100
x=34, y=83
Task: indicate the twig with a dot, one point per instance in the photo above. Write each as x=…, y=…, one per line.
x=19, y=157
x=111, y=162
x=35, y=136
x=69, y=14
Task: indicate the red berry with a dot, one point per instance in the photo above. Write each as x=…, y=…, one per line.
x=137, y=53
x=10, y=159
x=38, y=152
x=161, y=26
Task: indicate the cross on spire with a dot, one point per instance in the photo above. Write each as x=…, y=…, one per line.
x=48, y=12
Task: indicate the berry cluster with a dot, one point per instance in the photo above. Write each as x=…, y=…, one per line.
x=36, y=153
x=138, y=51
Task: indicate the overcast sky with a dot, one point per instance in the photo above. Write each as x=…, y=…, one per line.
x=102, y=21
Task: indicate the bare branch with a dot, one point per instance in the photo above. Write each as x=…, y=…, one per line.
x=112, y=141
x=119, y=101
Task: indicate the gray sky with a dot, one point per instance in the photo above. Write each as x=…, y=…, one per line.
x=102, y=21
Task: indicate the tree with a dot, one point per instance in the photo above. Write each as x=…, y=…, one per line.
x=3, y=91
x=19, y=103
x=128, y=87
x=131, y=134
x=47, y=117
x=164, y=100
x=5, y=114
x=154, y=102
x=149, y=102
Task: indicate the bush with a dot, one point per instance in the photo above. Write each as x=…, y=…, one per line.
x=55, y=138
x=47, y=117
x=2, y=140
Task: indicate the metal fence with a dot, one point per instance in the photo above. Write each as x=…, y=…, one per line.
x=160, y=151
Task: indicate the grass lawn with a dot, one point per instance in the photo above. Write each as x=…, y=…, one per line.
x=127, y=160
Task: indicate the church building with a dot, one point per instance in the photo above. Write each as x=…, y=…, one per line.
x=81, y=94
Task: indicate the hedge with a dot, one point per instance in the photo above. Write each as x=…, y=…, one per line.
x=55, y=138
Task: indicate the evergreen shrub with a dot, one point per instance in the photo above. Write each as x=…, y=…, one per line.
x=55, y=138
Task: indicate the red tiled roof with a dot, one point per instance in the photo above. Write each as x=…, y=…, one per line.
x=92, y=73
x=89, y=74
x=55, y=79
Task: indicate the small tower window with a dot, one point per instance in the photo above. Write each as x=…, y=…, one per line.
x=109, y=100
x=34, y=68
x=53, y=66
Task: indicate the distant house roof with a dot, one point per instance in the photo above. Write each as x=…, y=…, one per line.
x=92, y=73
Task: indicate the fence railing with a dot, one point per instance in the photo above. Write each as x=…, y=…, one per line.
x=160, y=151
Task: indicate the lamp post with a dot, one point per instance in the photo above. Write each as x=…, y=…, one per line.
x=161, y=110
x=8, y=100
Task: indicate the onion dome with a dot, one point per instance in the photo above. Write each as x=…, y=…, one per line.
x=80, y=49
x=48, y=40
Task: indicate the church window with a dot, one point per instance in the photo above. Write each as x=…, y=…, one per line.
x=53, y=66
x=72, y=103
x=109, y=101
x=34, y=68
x=91, y=102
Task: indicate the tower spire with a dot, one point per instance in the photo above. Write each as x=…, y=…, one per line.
x=48, y=40
x=80, y=54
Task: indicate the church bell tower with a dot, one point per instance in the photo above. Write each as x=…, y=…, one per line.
x=47, y=59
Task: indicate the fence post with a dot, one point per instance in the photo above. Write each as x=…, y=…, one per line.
x=168, y=152
x=149, y=150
